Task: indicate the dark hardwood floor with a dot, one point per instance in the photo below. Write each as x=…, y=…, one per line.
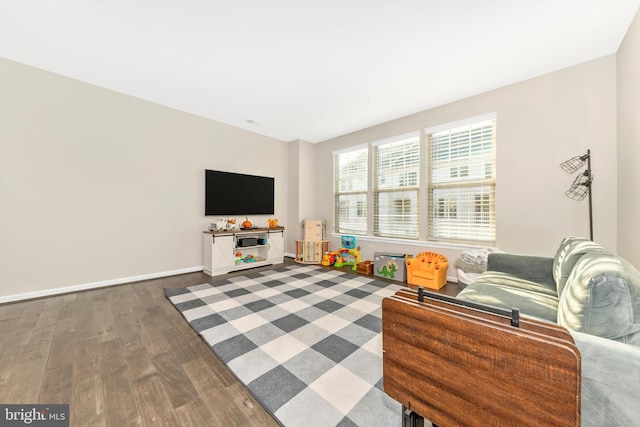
x=121, y=356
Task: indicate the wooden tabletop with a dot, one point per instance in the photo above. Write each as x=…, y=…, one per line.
x=245, y=230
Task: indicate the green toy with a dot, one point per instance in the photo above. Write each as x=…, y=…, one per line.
x=389, y=269
x=348, y=254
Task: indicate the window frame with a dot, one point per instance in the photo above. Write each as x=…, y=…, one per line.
x=479, y=207
x=463, y=228
x=384, y=224
x=360, y=196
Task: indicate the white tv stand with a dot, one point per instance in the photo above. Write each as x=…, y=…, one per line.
x=220, y=249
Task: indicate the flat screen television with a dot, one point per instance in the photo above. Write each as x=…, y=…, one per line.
x=228, y=193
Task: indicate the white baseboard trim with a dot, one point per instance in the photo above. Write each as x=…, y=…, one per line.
x=95, y=285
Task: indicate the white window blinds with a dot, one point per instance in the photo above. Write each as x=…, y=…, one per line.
x=461, y=183
x=396, y=188
x=350, y=191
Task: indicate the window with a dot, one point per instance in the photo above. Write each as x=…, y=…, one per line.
x=461, y=183
x=447, y=208
x=462, y=171
x=396, y=188
x=482, y=209
x=438, y=185
x=350, y=191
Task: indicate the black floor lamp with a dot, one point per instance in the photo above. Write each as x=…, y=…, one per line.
x=581, y=186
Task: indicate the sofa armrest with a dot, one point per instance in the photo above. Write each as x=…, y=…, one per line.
x=532, y=268
x=610, y=379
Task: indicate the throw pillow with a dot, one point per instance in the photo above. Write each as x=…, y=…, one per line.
x=602, y=298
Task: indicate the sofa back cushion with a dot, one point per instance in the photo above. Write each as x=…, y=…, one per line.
x=602, y=298
x=570, y=251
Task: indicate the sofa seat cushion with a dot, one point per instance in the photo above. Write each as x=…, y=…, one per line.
x=532, y=268
x=506, y=296
x=602, y=298
x=506, y=279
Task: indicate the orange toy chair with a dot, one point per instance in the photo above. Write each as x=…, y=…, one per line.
x=427, y=269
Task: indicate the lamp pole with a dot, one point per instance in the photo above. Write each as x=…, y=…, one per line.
x=590, y=191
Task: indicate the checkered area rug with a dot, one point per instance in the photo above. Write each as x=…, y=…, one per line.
x=306, y=341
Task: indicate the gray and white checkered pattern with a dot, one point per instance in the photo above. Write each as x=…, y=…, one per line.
x=305, y=340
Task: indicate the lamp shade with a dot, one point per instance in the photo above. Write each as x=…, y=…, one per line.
x=574, y=163
x=580, y=187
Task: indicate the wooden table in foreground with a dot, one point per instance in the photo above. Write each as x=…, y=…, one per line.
x=460, y=365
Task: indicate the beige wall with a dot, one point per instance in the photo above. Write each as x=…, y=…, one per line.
x=301, y=200
x=97, y=186
x=629, y=144
x=293, y=195
x=540, y=123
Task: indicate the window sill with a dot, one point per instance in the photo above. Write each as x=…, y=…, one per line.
x=420, y=243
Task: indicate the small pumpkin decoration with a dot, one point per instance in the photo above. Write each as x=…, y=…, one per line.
x=273, y=223
x=246, y=223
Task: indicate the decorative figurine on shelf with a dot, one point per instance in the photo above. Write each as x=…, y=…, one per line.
x=273, y=223
x=231, y=224
x=219, y=225
x=246, y=224
x=224, y=224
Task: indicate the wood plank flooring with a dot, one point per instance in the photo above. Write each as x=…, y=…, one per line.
x=121, y=356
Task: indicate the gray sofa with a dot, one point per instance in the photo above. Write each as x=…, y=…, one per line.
x=596, y=296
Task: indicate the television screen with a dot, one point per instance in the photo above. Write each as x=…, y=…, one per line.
x=228, y=193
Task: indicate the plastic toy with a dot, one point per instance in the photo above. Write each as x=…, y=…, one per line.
x=348, y=254
x=326, y=260
x=348, y=242
x=248, y=258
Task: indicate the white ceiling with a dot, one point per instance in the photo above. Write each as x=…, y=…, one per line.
x=308, y=69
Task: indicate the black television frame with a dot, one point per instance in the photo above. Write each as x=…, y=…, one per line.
x=230, y=193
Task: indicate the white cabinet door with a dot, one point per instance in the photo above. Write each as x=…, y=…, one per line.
x=219, y=254
x=276, y=246
x=223, y=252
